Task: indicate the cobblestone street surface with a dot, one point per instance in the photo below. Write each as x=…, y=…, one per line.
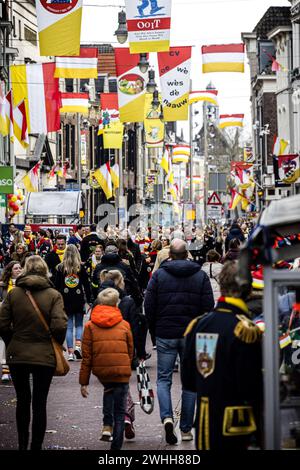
x=74, y=423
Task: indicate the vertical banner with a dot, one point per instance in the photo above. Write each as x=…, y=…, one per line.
x=59, y=25
x=113, y=135
x=131, y=86
x=174, y=70
x=148, y=25
x=154, y=127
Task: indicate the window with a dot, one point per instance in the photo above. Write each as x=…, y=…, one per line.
x=112, y=85
x=20, y=30
x=30, y=35
x=83, y=82
x=69, y=85
x=266, y=50
x=99, y=84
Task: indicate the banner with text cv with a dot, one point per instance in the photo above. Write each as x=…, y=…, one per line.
x=174, y=71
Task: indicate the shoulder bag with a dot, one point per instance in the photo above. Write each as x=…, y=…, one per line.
x=62, y=366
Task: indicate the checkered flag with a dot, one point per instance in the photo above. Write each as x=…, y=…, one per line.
x=146, y=394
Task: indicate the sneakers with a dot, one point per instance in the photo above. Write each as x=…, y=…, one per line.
x=5, y=378
x=171, y=437
x=78, y=353
x=129, y=430
x=106, y=434
x=187, y=436
x=71, y=357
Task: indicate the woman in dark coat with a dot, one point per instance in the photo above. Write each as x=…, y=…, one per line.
x=29, y=347
x=72, y=281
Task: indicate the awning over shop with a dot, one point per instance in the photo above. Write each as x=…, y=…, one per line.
x=54, y=203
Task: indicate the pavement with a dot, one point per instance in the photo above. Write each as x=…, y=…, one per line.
x=74, y=423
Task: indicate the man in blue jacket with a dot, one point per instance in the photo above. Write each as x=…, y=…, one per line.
x=178, y=292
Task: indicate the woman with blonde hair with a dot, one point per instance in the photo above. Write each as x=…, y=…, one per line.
x=29, y=347
x=72, y=281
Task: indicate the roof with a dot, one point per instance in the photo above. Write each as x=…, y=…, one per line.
x=274, y=16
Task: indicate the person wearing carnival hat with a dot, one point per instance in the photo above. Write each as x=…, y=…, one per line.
x=29, y=239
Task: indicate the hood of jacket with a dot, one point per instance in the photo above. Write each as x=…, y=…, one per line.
x=106, y=316
x=33, y=282
x=111, y=284
x=180, y=268
x=111, y=259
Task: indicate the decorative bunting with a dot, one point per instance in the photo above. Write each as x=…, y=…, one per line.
x=82, y=66
x=223, y=58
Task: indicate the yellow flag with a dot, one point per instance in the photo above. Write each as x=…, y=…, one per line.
x=154, y=126
x=113, y=135
x=165, y=161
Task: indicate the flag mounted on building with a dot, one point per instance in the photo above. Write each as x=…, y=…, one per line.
x=289, y=168
x=31, y=179
x=36, y=85
x=131, y=86
x=235, y=200
x=74, y=103
x=181, y=153
x=103, y=176
x=280, y=146
x=82, y=66
x=109, y=108
x=7, y=115
x=20, y=124
x=59, y=25
x=114, y=173
x=223, y=58
x=113, y=135
x=3, y=123
x=174, y=71
x=165, y=161
x=153, y=125
x=231, y=120
x=210, y=96
x=148, y=25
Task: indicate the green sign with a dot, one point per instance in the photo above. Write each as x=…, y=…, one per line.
x=2, y=201
x=6, y=180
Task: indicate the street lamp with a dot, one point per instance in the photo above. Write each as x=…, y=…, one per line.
x=155, y=102
x=143, y=63
x=122, y=32
x=151, y=85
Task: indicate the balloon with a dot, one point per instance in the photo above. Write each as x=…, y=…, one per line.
x=15, y=207
x=14, y=198
x=19, y=197
x=11, y=204
x=9, y=196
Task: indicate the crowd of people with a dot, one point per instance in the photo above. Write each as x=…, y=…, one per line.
x=178, y=284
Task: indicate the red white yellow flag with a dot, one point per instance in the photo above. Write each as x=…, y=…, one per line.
x=109, y=108
x=31, y=179
x=82, y=66
x=103, y=176
x=131, y=86
x=174, y=70
x=223, y=58
x=148, y=25
x=210, y=96
x=59, y=24
x=75, y=103
x=36, y=85
x=20, y=124
x=231, y=120
x=181, y=153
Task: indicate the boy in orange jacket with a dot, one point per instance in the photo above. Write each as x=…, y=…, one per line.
x=107, y=352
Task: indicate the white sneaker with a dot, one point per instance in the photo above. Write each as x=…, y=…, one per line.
x=5, y=378
x=71, y=357
x=171, y=437
x=187, y=436
x=78, y=353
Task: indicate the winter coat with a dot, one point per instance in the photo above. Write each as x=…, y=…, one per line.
x=213, y=270
x=129, y=310
x=107, y=347
x=113, y=261
x=29, y=342
x=75, y=289
x=231, y=255
x=235, y=232
x=89, y=244
x=53, y=260
x=177, y=292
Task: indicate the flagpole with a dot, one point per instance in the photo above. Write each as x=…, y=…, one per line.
x=205, y=161
x=78, y=120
